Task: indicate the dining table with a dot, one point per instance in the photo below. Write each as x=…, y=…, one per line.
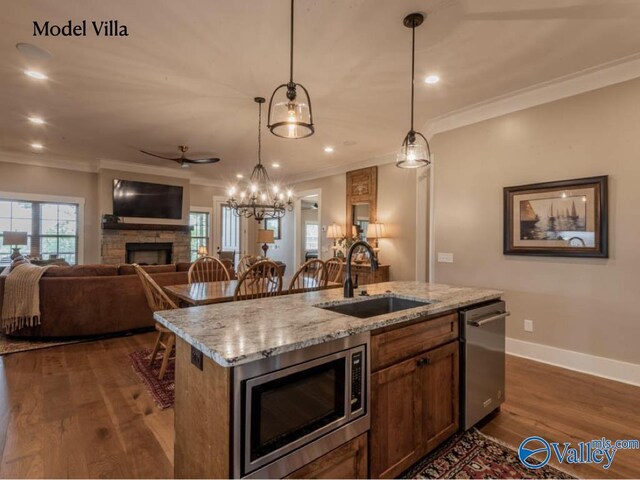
x=207, y=293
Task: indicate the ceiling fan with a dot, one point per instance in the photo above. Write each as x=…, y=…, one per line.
x=183, y=160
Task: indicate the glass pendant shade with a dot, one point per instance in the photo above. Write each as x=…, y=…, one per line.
x=414, y=152
x=290, y=117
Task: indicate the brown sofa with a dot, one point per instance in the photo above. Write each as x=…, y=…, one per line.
x=88, y=300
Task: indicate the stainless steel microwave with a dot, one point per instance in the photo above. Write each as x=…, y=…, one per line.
x=292, y=408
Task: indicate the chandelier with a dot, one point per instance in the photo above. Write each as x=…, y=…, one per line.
x=415, y=151
x=260, y=198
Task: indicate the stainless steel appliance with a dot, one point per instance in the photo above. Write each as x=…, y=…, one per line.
x=483, y=360
x=292, y=408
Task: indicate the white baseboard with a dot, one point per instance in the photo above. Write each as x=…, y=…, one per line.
x=580, y=362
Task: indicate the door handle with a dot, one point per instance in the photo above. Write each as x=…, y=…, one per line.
x=493, y=318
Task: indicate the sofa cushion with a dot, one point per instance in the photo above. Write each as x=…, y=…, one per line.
x=183, y=266
x=82, y=271
x=126, y=269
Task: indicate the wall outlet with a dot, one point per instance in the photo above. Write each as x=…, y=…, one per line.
x=196, y=357
x=445, y=257
x=528, y=325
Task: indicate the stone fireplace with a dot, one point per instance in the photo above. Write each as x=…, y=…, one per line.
x=145, y=244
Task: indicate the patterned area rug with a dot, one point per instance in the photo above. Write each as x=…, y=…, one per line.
x=162, y=391
x=474, y=455
x=12, y=345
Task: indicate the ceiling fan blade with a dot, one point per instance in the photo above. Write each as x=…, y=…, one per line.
x=575, y=12
x=201, y=161
x=160, y=156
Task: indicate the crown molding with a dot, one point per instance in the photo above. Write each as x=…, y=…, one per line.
x=340, y=169
x=48, y=161
x=604, y=75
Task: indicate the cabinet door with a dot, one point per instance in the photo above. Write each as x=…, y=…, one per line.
x=347, y=461
x=396, y=431
x=439, y=372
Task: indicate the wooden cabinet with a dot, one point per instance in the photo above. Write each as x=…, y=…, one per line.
x=414, y=401
x=346, y=461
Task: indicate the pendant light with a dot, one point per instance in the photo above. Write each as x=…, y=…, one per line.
x=415, y=151
x=290, y=114
x=260, y=198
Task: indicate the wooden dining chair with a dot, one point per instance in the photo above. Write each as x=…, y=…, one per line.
x=243, y=265
x=262, y=279
x=333, y=271
x=208, y=269
x=309, y=277
x=158, y=300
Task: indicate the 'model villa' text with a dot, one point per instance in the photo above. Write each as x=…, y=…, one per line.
x=105, y=28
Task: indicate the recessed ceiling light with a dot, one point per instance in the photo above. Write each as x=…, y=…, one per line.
x=275, y=165
x=432, y=79
x=328, y=149
x=35, y=74
x=36, y=120
x=37, y=146
x=239, y=175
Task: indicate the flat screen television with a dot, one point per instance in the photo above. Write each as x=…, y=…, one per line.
x=147, y=200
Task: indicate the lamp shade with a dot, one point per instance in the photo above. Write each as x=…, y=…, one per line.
x=202, y=250
x=334, y=231
x=265, y=236
x=375, y=230
x=14, y=238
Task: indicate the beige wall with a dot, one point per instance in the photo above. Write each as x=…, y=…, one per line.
x=31, y=179
x=396, y=209
x=585, y=305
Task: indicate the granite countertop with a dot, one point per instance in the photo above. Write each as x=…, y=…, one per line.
x=241, y=332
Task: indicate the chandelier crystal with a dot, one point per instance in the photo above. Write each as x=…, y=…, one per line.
x=260, y=198
x=415, y=151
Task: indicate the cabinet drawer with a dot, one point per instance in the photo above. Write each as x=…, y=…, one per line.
x=396, y=345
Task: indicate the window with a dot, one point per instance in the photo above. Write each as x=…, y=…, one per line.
x=52, y=229
x=199, y=222
x=230, y=231
x=311, y=236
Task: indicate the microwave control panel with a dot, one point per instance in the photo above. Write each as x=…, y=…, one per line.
x=356, y=381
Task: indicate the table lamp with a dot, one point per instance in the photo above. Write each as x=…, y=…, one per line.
x=202, y=251
x=375, y=231
x=334, y=232
x=14, y=239
x=265, y=237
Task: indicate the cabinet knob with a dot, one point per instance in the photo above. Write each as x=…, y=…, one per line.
x=424, y=361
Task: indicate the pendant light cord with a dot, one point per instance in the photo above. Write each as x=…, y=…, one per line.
x=413, y=63
x=259, y=133
x=291, y=53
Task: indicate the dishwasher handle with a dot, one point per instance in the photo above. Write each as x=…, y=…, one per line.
x=492, y=318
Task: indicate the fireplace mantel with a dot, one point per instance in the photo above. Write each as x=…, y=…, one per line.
x=146, y=226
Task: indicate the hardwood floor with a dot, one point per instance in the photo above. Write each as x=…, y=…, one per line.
x=80, y=411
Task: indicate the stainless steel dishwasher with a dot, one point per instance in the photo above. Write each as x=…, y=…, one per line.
x=483, y=361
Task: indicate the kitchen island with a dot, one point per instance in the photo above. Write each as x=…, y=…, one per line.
x=413, y=354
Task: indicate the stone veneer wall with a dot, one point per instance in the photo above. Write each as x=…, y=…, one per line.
x=114, y=251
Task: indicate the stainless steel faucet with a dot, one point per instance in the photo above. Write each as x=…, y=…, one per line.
x=348, y=283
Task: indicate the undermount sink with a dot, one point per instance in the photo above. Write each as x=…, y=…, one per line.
x=375, y=306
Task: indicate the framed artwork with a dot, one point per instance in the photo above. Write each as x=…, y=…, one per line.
x=561, y=219
x=273, y=224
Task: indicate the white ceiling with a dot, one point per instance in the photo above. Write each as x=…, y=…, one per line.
x=188, y=71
